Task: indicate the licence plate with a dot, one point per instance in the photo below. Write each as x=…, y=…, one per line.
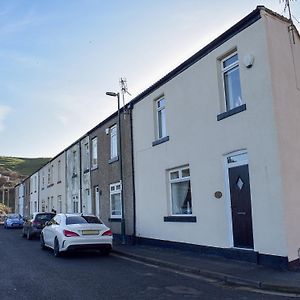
x=90, y=232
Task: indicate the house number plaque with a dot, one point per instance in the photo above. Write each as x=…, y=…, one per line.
x=218, y=194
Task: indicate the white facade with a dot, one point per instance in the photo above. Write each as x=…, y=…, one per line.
x=197, y=149
x=20, y=201
x=34, y=193
x=86, y=176
x=73, y=192
x=57, y=189
x=44, y=192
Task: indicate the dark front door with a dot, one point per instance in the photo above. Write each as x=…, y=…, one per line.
x=241, y=206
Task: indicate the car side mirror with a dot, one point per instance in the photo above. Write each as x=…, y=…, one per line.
x=48, y=223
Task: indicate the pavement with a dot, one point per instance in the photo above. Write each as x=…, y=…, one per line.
x=228, y=271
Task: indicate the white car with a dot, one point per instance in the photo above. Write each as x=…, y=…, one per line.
x=66, y=232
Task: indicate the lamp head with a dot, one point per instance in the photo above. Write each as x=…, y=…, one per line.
x=112, y=94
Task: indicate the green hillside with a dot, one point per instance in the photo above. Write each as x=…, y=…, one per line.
x=23, y=166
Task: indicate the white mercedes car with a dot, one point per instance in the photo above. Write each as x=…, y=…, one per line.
x=67, y=232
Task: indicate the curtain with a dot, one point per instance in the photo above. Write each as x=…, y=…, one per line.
x=181, y=198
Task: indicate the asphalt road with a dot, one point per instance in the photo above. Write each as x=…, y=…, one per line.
x=27, y=272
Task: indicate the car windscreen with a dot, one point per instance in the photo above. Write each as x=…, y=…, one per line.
x=92, y=219
x=44, y=217
x=13, y=216
x=75, y=220
x=82, y=219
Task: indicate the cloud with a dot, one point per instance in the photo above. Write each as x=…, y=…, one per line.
x=4, y=111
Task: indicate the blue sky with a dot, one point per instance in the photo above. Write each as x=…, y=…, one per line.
x=59, y=57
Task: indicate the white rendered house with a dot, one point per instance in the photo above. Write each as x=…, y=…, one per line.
x=217, y=148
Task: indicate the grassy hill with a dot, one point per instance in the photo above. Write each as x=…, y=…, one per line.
x=22, y=166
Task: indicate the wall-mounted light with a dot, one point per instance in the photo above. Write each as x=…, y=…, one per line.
x=248, y=61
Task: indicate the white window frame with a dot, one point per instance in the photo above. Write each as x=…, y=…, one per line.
x=114, y=189
x=113, y=141
x=226, y=70
x=178, y=180
x=159, y=119
x=94, y=150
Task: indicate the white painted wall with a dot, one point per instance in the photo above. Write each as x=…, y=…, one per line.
x=73, y=177
x=58, y=189
x=21, y=194
x=44, y=192
x=284, y=57
x=34, y=193
x=86, y=176
x=193, y=101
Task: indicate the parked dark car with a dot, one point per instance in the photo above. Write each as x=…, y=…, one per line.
x=13, y=221
x=34, y=224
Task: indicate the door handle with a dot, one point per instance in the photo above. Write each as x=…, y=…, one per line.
x=241, y=213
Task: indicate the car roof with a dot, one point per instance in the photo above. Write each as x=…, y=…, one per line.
x=78, y=215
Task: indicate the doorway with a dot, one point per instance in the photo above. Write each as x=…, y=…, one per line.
x=240, y=200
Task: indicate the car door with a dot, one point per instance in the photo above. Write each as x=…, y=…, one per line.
x=49, y=232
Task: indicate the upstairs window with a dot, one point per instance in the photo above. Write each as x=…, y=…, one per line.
x=161, y=118
x=94, y=153
x=113, y=142
x=231, y=81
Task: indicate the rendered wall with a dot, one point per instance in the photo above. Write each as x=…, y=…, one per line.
x=285, y=66
x=193, y=101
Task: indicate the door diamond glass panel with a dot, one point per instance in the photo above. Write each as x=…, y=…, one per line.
x=240, y=183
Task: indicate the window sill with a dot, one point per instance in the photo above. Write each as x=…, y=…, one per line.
x=94, y=168
x=187, y=219
x=112, y=160
x=86, y=171
x=115, y=220
x=160, y=141
x=58, y=182
x=231, y=112
x=50, y=185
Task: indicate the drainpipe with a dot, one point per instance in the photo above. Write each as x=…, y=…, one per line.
x=133, y=174
x=80, y=177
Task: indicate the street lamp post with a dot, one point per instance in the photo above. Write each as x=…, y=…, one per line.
x=123, y=232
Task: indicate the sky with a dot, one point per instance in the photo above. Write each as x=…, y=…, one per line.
x=59, y=57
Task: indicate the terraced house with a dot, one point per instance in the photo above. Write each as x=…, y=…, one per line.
x=216, y=146
x=210, y=152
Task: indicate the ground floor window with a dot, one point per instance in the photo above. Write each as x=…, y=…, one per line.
x=180, y=191
x=115, y=201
